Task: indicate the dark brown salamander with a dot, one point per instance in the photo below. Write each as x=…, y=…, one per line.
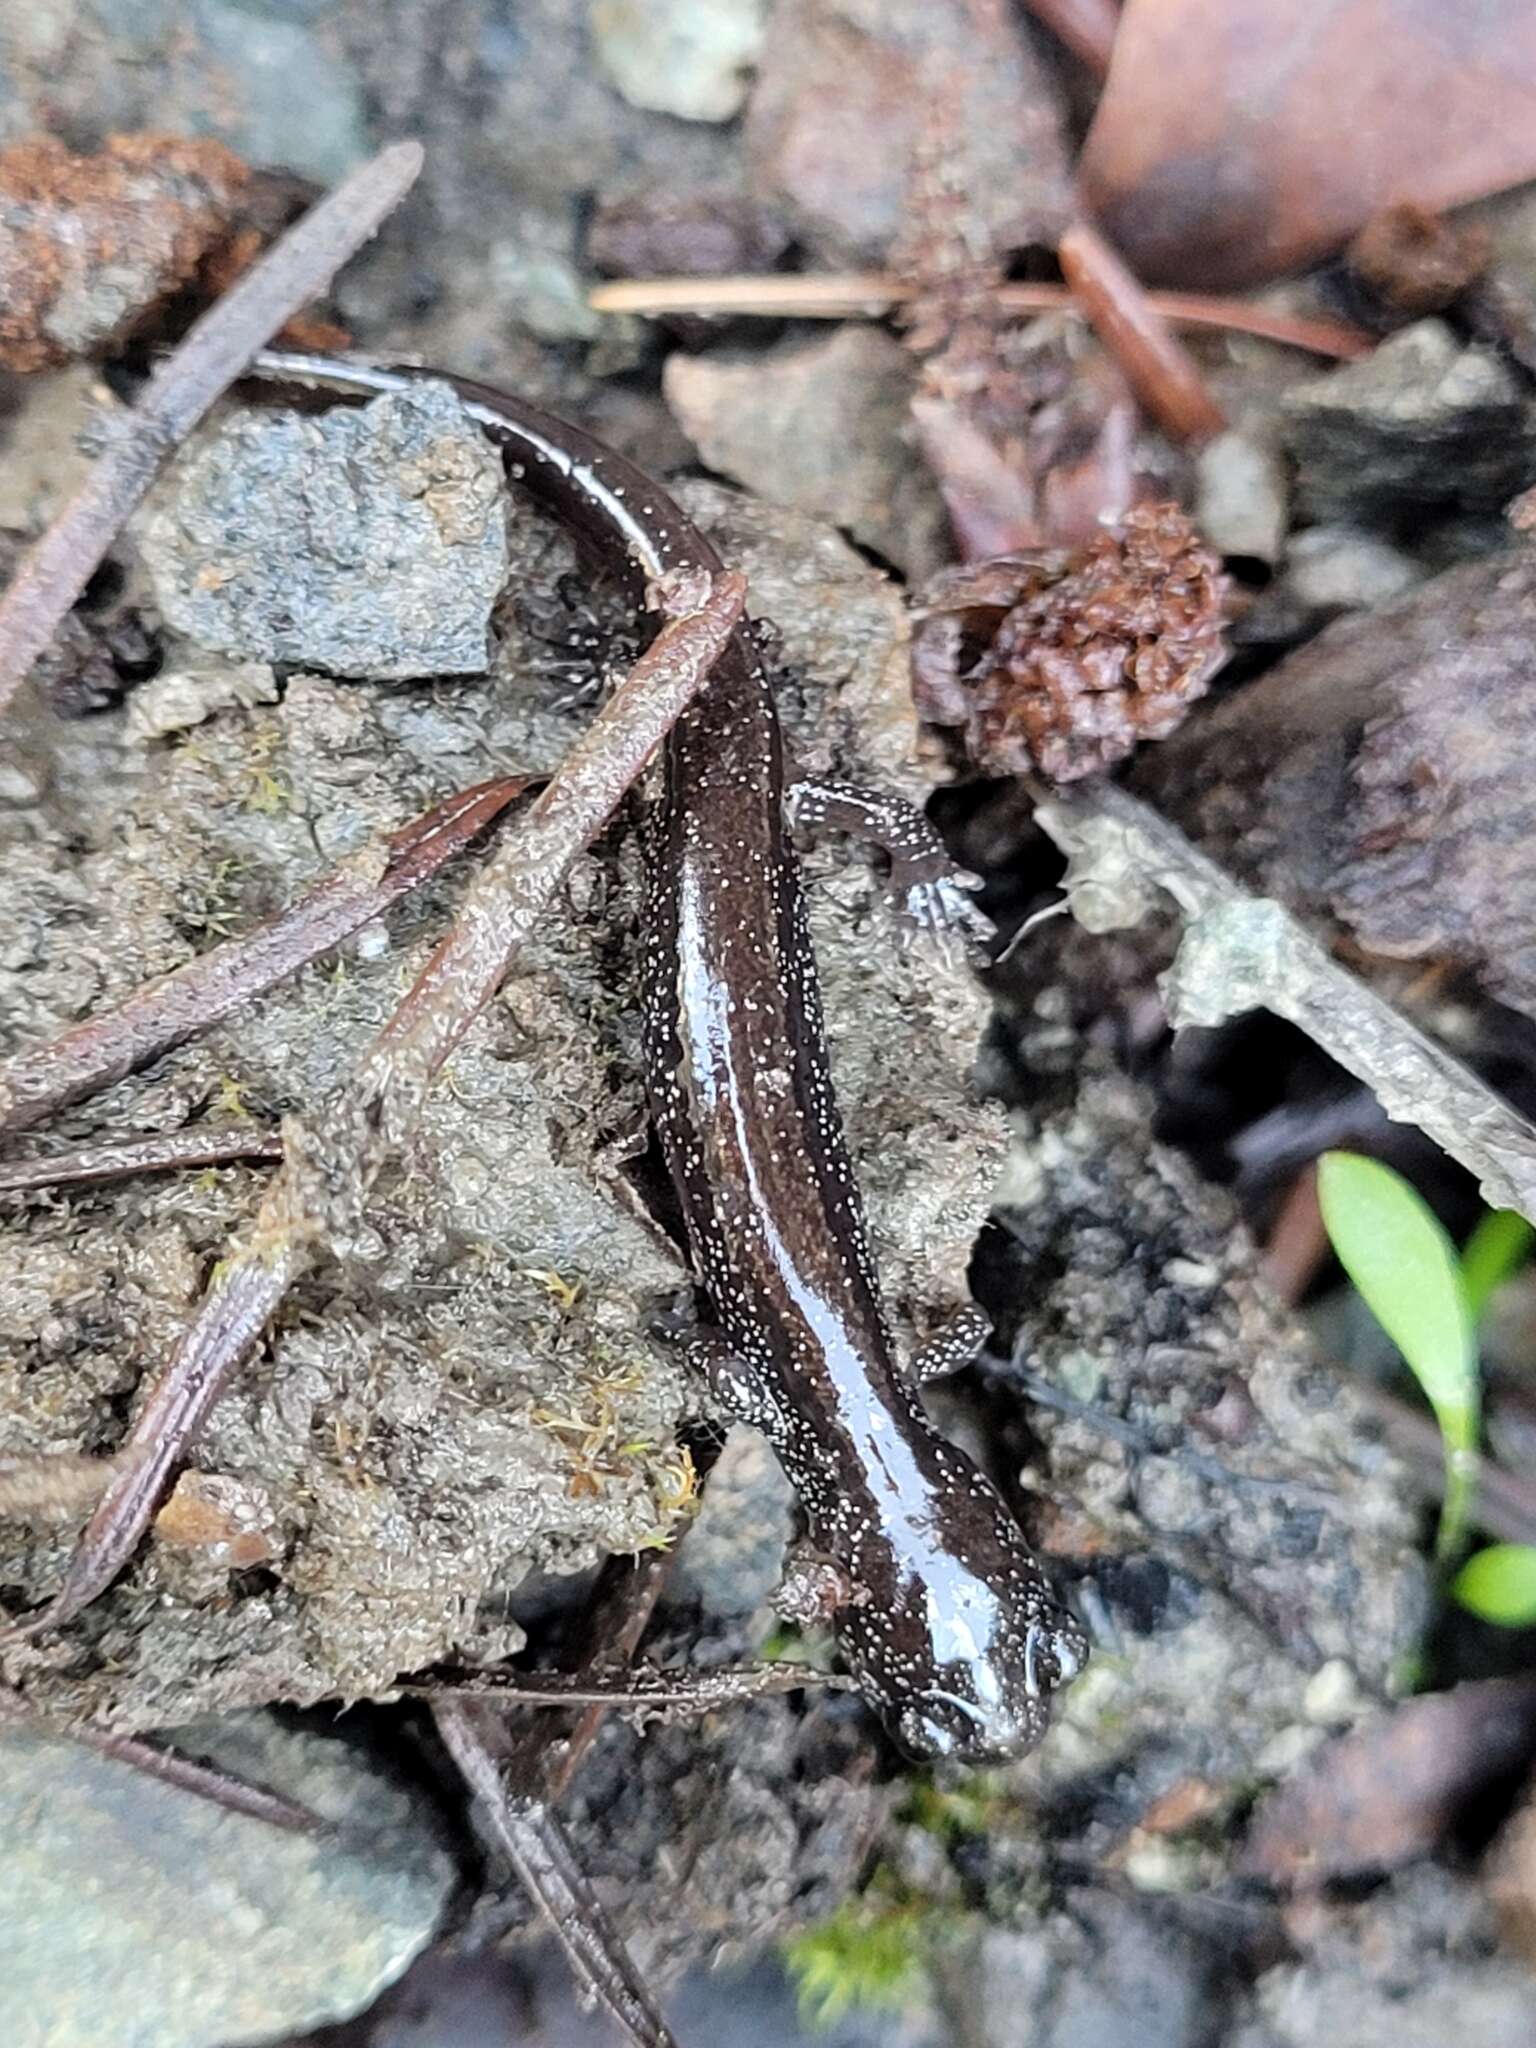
x=947, y=1620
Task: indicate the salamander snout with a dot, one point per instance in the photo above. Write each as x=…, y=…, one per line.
x=990, y=1711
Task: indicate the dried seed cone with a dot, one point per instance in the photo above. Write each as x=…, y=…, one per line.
x=1062, y=663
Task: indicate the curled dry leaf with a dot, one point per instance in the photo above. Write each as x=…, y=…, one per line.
x=91, y=245
x=1064, y=662
x=1236, y=140
x=1394, y=1788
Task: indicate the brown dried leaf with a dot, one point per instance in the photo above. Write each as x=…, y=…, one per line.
x=1237, y=140
x=1064, y=662
x=1392, y=1789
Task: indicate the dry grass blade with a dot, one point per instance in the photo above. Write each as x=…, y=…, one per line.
x=333, y=1160
x=296, y=269
x=532, y=1840
x=103, y=1049
x=869, y=295
x=51, y=1486
x=156, y=1152
x=235, y=1311
x=219, y=1788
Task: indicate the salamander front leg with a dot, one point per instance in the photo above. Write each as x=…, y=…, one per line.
x=731, y=1381
x=953, y=1347
x=931, y=894
x=814, y=1588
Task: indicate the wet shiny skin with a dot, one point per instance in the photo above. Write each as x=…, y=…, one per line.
x=954, y=1631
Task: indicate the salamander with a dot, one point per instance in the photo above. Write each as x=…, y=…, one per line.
x=942, y=1612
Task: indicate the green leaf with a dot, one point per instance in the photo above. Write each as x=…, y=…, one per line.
x=1392, y=1246
x=1499, y=1584
x=1498, y=1247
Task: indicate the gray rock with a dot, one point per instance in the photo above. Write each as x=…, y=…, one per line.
x=676, y=57
x=300, y=105
x=1413, y=1967
x=1422, y=427
x=265, y=76
x=1242, y=503
x=822, y=426
x=1113, y=1971
x=181, y=697
x=735, y=1550
x=1333, y=569
x=366, y=543
x=147, y=1917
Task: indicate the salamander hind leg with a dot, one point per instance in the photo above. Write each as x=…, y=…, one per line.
x=931, y=894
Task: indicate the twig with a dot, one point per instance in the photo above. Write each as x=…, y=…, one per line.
x=1086, y=27
x=869, y=295
x=154, y=1018
x=544, y=1753
x=297, y=268
x=1243, y=952
x=156, y=1152
x=1148, y=1443
x=537, y=1755
x=534, y=1843
x=333, y=1160
x=645, y=1688
x=219, y=1788
x=1160, y=369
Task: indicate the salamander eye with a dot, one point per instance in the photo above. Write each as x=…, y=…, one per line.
x=1052, y=1657
x=1070, y=1650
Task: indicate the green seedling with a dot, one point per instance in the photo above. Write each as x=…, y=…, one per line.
x=1497, y=1248
x=1499, y=1585
x=1405, y=1267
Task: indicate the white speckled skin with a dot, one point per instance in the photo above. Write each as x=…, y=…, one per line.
x=955, y=1633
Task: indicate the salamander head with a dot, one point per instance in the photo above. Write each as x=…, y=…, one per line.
x=995, y=1705
x=993, y=1709
x=962, y=1656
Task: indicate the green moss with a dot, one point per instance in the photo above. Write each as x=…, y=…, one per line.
x=871, y=1955
x=950, y=1812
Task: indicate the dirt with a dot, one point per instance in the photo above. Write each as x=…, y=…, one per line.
x=449, y=1430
